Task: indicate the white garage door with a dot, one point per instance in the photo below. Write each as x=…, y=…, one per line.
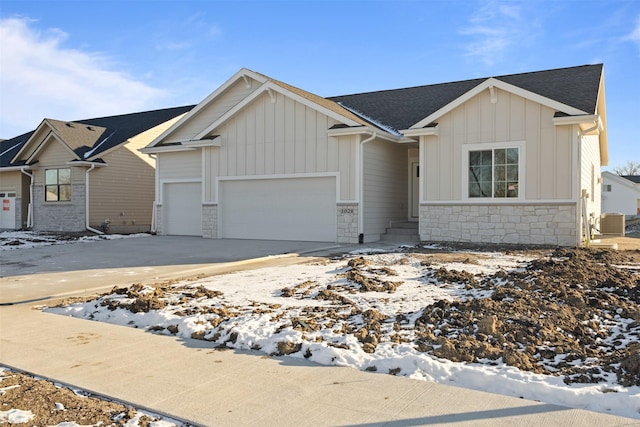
x=278, y=209
x=182, y=209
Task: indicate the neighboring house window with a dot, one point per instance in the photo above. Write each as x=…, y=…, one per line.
x=606, y=188
x=493, y=172
x=57, y=185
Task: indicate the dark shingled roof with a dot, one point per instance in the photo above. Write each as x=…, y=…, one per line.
x=401, y=108
x=117, y=130
x=634, y=178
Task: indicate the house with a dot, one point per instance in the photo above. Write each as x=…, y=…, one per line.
x=621, y=194
x=509, y=159
x=82, y=175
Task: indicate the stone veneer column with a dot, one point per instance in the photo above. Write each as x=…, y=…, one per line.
x=159, y=229
x=210, y=221
x=553, y=225
x=347, y=223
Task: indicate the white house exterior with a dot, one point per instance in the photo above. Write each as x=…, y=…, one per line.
x=620, y=194
x=508, y=159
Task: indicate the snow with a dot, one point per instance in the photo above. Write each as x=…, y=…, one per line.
x=30, y=239
x=262, y=319
x=16, y=416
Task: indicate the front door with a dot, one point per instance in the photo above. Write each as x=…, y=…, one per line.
x=415, y=189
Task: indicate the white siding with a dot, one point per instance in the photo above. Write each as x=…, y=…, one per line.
x=549, y=149
x=590, y=173
x=385, y=190
x=223, y=103
x=284, y=137
x=180, y=165
x=624, y=196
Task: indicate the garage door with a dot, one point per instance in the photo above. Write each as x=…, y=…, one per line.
x=182, y=209
x=278, y=209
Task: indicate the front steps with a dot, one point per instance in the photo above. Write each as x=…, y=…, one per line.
x=404, y=231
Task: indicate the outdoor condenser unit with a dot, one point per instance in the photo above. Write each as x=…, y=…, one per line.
x=612, y=223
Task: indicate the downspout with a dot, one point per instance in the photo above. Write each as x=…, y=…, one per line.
x=30, y=208
x=582, y=208
x=153, y=228
x=361, y=186
x=86, y=199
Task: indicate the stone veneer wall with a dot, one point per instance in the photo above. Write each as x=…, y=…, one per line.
x=159, y=230
x=210, y=221
x=59, y=216
x=544, y=224
x=347, y=223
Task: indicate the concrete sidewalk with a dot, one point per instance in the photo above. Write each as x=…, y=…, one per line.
x=190, y=380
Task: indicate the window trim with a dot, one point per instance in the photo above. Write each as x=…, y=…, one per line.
x=466, y=148
x=57, y=185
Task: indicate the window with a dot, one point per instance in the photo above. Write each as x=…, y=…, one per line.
x=57, y=185
x=494, y=173
x=606, y=188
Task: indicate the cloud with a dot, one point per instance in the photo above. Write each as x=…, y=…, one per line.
x=496, y=28
x=634, y=36
x=43, y=79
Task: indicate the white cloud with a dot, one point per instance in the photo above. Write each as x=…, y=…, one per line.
x=634, y=36
x=494, y=29
x=43, y=79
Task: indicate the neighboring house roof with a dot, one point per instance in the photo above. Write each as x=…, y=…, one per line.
x=629, y=181
x=97, y=136
x=633, y=178
x=577, y=87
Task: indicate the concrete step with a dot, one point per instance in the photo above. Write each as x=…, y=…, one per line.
x=399, y=237
x=399, y=231
x=405, y=224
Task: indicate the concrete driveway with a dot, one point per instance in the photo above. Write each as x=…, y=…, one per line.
x=50, y=271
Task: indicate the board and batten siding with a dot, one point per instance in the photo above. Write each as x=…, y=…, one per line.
x=385, y=187
x=284, y=137
x=591, y=180
x=549, y=149
x=180, y=165
x=212, y=112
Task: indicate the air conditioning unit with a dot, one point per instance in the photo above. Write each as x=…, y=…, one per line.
x=612, y=223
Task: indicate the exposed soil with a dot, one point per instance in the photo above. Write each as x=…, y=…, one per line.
x=559, y=315
x=53, y=404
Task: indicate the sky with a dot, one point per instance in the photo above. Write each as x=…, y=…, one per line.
x=72, y=60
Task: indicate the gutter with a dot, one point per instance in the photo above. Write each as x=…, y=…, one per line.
x=30, y=209
x=86, y=199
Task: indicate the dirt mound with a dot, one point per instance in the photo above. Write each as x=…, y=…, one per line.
x=570, y=303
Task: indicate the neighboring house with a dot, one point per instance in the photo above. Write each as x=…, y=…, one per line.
x=620, y=194
x=507, y=159
x=82, y=175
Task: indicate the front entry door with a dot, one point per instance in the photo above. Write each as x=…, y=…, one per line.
x=415, y=189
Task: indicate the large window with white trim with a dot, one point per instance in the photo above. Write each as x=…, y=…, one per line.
x=494, y=172
x=57, y=184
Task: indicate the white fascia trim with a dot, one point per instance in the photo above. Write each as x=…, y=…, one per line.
x=213, y=142
x=167, y=149
x=85, y=163
x=428, y=131
x=219, y=179
x=244, y=73
x=270, y=86
x=15, y=168
x=500, y=85
x=28, y=141
x=364, y=130
x=589, y=121
x=45, y=142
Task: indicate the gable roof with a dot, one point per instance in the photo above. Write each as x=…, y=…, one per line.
x=632, y=178
x=575, y=87
x=89, y=138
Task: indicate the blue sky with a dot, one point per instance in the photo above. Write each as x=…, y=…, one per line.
x=72, y=60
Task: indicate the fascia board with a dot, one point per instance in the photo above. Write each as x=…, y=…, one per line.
x=503, y=86
x=350, y=131
x=167, y=149
x=620, y=180
x=244, y=72
x=45, y=141
x=270, y=86
x=32, y=138
x=430, y=131
x=14, y=168
x=86, y=163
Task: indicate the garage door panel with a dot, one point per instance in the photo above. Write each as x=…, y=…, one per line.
x=182, y=214
x=279, y=209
